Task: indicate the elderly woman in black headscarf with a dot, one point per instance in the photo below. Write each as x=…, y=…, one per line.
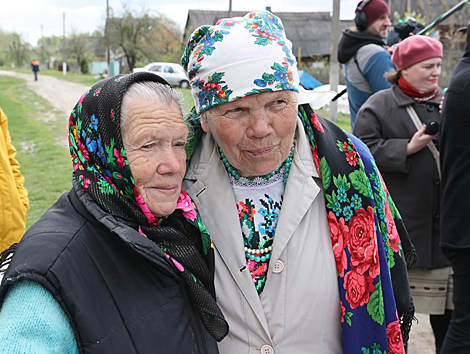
x=121, y=263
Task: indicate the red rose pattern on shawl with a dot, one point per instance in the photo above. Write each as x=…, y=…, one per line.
x=337, y=230
x=393, y=238
x=362, y=242
x=358, y=288
x=394, y=338
x=356, y=250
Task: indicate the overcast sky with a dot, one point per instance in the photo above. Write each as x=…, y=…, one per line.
x=27, y=17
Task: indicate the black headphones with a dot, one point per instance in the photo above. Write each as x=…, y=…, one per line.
x=361, y=17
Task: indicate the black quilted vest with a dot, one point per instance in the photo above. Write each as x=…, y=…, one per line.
x=116, y=286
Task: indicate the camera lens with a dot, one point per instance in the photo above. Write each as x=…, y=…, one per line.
x=432, y=127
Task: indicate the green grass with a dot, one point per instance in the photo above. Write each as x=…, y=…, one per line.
x=344, y=120
x=88, y=80
x=45, y=164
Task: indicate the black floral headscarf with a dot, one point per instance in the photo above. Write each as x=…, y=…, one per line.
x=101, y=168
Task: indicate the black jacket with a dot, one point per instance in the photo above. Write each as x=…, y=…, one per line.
x=454, y=152
x=117, y=288
x=351, y=42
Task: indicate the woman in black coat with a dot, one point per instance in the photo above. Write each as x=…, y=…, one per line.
x=122, y=262
x=455, y=213
x=393, y=123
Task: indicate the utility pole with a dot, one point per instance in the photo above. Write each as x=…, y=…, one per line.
x=334, y=64
x=42, y=45
x=64, y=63
x=106, y=36
x=229, y=8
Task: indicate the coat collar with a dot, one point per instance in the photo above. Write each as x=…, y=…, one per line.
x=403, y=99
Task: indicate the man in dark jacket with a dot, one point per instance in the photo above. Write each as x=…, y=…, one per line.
x=363, y=53
x=455, y=214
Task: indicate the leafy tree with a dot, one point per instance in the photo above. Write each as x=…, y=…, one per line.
x=78, y=47
x=19, y=50
x=51, y=46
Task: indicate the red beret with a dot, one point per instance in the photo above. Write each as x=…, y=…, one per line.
x=415, y=49
x=374, y=10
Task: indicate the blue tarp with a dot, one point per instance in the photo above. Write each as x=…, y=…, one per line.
x=308, y=81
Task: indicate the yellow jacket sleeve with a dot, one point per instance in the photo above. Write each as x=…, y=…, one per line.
x=14, y=202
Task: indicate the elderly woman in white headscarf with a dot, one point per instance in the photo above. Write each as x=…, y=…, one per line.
x=307, y=238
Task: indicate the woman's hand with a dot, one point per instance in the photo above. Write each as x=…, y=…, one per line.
x=418, y=141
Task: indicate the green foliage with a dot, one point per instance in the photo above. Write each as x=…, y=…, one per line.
x=79, y=48
x=45, y=161
x=360, y=182
x=375, y=307
x=325, y=173
x=14, y=49
x=84, y=66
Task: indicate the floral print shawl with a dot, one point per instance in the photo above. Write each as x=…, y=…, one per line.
x=102, y=170
x=369, y=240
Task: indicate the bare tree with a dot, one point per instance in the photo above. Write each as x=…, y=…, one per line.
x=164, y=44
x=129, y=30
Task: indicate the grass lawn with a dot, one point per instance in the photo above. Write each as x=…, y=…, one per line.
x=45, y=164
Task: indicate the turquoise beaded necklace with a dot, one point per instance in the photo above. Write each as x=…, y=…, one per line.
x=263, y=254
x=234, y=172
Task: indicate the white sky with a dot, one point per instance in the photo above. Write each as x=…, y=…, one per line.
x=26, y=17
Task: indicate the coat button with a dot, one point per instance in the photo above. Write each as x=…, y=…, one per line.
x=437, y=181
x=278, y=267
x=267, y=349
x=435, y=215
x=430, y=107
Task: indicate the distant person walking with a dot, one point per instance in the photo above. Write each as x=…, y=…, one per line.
x=35, y=66
x=14, y=201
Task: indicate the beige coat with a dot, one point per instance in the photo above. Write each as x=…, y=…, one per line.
x=298, y=310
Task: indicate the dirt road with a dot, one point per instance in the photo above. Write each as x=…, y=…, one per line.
x=63, y=95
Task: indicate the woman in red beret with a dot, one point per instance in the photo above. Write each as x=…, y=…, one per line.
x=400, y=126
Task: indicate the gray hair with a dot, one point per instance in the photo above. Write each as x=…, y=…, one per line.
x=149, y=91
x=203, y=117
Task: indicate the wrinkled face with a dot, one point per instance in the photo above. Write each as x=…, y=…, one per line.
x=379, y=28
x=424, y=76
x=154, y=137
x=255, y=132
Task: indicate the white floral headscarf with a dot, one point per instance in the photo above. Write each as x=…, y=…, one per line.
x=238, y=57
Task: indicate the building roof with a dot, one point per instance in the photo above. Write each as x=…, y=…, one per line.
x=309, y=31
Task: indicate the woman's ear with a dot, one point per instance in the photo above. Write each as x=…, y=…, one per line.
x=204, y=123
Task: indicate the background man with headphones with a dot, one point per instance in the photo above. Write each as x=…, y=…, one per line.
x=363, y=53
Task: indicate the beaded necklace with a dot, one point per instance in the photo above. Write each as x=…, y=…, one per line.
x=260, y=254
x=234, y=172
